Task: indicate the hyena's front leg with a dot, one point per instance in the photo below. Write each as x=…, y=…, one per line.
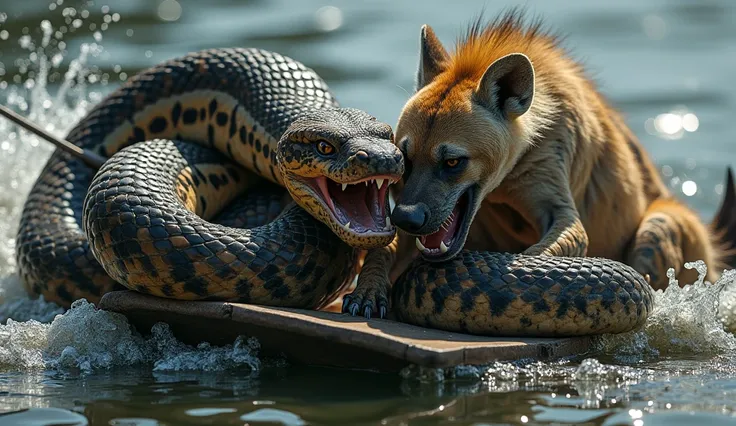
x=548, y=203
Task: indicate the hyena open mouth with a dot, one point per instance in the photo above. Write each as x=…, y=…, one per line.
x=449, y=240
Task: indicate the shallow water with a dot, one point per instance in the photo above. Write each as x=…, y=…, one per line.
x=666, y=64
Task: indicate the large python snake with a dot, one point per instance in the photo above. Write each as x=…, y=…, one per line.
x=191, y=205
x=187, y=138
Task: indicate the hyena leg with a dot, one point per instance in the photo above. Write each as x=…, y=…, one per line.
x=669, y=236
x=545, y=197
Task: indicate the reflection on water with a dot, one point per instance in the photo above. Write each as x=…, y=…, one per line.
x=562, y=392
x=666, y=64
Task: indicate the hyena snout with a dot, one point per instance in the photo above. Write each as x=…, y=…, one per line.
x=410, y=217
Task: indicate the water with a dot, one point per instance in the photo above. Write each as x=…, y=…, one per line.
x=667, y=64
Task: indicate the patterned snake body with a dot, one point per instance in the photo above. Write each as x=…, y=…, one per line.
x=256, y=118
x=206, y=220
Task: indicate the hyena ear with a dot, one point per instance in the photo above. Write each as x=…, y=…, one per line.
x=432, y=57
x=507, y=86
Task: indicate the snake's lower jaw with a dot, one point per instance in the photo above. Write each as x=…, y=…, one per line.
x=358, y=213
x=449, y=239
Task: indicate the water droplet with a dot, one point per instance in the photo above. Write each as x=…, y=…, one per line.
x=98, y=36
x=129, y=32
x=328, y=18
x=169, y=10
x=25, y=42
x=148, y=54
x=115, y=17
x=105, y=9
x=4, y=35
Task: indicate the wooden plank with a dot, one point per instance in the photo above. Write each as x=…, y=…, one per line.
x=329, y=338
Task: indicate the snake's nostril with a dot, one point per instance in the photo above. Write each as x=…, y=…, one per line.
x=361, y=155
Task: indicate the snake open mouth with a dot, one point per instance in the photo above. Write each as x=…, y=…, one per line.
x=447, y=242
x=359, y=207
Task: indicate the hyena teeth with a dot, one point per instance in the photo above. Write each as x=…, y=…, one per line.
x=420, y=246
x=344, y=185
x=379, y=183
x=388, y=224
x=346, y=226
x=366, y=182
x=443, y=247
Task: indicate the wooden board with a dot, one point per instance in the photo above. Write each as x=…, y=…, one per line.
x=329, y=338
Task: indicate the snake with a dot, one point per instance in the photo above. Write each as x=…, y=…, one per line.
x=233, y=174
x=197, y=148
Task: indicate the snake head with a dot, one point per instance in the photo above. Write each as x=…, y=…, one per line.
x=337, y=164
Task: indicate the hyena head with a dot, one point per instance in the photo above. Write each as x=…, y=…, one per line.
x=461, y=133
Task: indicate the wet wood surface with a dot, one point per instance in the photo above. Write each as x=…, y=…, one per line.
x=330, y=338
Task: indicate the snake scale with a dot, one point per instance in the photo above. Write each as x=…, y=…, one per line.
x=234, y=174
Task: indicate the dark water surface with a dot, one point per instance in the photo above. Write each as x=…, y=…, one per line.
x=669, y=65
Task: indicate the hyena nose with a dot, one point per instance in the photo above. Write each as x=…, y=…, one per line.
x=410, y=218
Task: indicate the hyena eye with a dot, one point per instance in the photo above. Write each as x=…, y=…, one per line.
x=454, y=165
x=324, y=147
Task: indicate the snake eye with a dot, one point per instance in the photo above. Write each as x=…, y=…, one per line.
x=451, y=163
x=324, y=147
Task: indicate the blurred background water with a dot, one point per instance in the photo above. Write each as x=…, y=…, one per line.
x=667, y=64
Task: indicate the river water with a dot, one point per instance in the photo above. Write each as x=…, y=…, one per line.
x=667, y=64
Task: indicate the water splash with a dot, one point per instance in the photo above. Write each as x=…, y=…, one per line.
x=85, y=339
x=685, y=321
x=22, y=155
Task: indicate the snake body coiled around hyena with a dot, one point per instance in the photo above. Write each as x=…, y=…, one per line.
x=190, y=205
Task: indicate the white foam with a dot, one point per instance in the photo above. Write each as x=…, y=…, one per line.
x=86, y=339
x=685, y=320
